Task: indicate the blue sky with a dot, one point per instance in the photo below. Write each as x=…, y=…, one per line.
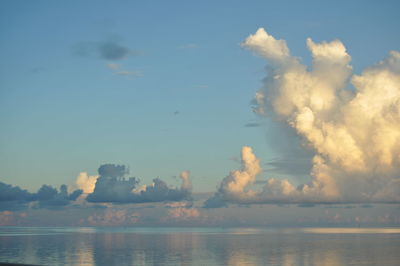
x=166, y=86
x=63, y=113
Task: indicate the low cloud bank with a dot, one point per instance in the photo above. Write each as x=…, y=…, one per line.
x=47, y=196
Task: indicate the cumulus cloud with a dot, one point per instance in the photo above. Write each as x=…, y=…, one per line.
x=10, y=193
x=350, y=122
x=86, y=182
x=233, y=187
x=46, y=196
x=50, y=197
x=267, y=46
x=112, y=186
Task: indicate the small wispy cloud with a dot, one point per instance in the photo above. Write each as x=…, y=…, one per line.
x=107, y=50
x=117, y=68
x=188, y=46
x=113, y=51
x=127, y=73
x=253, y=124
x=113, y=66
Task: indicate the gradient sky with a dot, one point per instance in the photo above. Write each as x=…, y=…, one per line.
x=160, y=86
x=62, y=113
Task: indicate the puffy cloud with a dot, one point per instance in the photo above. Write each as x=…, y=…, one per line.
x=86, y=182
x=267, y=46
x=50, y=197
x=234, y=187
x=46, y=196
x=112, y=186
x=10, y=193
x=354, y=133
x=159, y=191
x=236, y=182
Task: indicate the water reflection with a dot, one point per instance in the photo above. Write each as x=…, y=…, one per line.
x=201, y=246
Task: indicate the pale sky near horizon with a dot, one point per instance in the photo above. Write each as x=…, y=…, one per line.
x=161, y=86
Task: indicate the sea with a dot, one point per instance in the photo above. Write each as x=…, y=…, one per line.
x=199, y=246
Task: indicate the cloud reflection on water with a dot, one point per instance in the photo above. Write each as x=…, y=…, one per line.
x=200, y=246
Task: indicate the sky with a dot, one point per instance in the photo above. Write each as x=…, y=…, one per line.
x=223, y=103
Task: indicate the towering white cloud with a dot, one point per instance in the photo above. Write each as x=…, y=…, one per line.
x=267, y=46
x=86, y=182
x=236, y=182
x=186, y=182
x=351, y=122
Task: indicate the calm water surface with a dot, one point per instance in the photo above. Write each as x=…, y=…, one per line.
x=199, y=246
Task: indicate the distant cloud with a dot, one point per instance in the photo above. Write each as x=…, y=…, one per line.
x=178, y=204
x=129, y=73
x=46, y=196
x=10, y=193
x=111, y=217
x=9, y=218
x=113, y=66
x=216, y=201
x=121, y=72
x=107, y=50
x=183, y=214
x=112, y=51
x=253, y=124
x=112, y=186
x=85, y=182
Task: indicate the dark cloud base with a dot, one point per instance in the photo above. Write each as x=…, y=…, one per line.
x=13, y=197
